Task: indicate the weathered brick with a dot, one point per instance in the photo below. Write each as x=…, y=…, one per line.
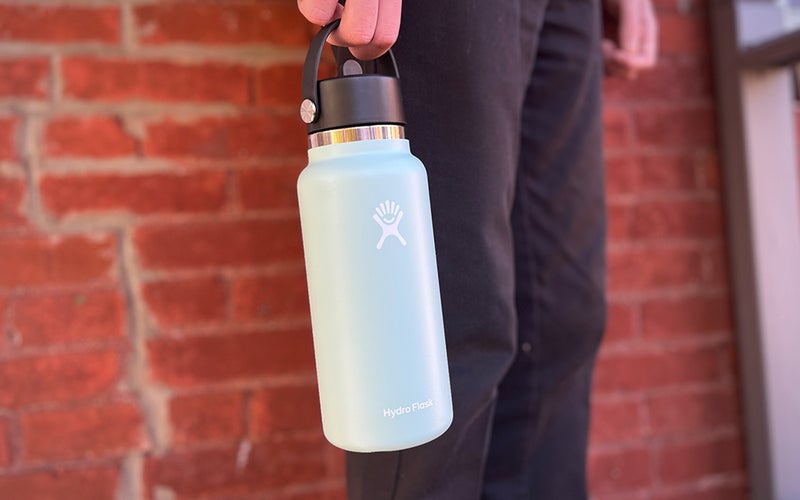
x=620, y=470
x=281, y=409
x=206, y=418
x=667, y=172
x=72, y=317
x=24, y=77
x=697, y=459
x=96, y=483
x=54, y=260
x=268, y=188
x=620, y=222
x=191, y=361
x=5, y=444
x=678, y=219
x=621, y=324
x=668, y=82
x=187, y=302
x=693, y=412
x=674, y=126
x=8, y=140
x=59, y=23
x=282, y=296
x=225, y=472
x=221, y=23
x=633, y=371
x=103, y=79
x=622, y=176
x=93, y=136
x=689, y=316
x=138, y=193
x=652, y=268
x=58, y=377
x=279, y=85
x=85, y=432
x=218, y=243
x=226, y=138
x=12, y=193
x=683, y=34
x=616, y=128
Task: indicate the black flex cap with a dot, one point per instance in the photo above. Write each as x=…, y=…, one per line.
x=350, y=100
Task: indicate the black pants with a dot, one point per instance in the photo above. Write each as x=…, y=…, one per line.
x=503, y=105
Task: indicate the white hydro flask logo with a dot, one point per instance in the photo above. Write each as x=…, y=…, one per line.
x=388, y=218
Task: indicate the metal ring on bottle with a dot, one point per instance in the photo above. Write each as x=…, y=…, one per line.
x=355, y=134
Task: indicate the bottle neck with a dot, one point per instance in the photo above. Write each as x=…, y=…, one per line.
x=356, y=134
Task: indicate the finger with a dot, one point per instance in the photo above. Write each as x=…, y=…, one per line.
x=628, y=26
x=386, y=30
x=319, y=12
x=650, y=35
x=357, y=29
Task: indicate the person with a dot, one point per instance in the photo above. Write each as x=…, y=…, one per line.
x=503, y=104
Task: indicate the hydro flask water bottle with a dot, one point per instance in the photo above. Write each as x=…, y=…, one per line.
x=370, y=261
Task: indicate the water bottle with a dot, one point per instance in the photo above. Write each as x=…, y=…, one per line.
x=370, y=262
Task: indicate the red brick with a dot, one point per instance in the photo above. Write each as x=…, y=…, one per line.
x=688, y=127
x=283, y=296
x=615, y=421
x=654, y=268
x=694, y=412
x=620, y=222
x=667, y=82
x=695, y=460
x=222, y=473
x=620, y=470
x=58, y=377
x=273, y=188
x=280, y=409
x=622, y=176
x=235, y=243
x=138, y=193
x=678, y=219
x=217, y=23
x=226, y=138
x=55, y=484
x=616, y=128
x=621, y=324
x=644, y=371
x=682, y=34
x=94, y=136
x=667, y=173
x=279, y=85
x=54, y=260
x=59, y=23
x=87, y=432
x=8, y=139
x=12, y=192
x=122, y=80
x=24, y=77
x=185, y=362
x=690, y=316
x=187, y=302
x=74, y=317
x=206, y=418
x=709, y=491
x=5, y=444
x=708, y=163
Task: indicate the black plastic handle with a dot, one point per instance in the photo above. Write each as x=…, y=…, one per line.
x=311, y=67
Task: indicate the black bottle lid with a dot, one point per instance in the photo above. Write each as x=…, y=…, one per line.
x=363, y=92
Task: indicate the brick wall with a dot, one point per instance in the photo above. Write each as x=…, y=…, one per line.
x=151, y=285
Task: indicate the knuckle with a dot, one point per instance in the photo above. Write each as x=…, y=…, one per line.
x=317, y=11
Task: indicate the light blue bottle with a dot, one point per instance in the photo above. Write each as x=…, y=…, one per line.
x=371, y=265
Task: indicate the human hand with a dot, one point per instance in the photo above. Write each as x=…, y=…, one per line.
x=369, y=27
x=637, y=48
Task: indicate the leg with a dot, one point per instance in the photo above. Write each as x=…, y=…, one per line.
x=538, y=447
x=464, y=73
